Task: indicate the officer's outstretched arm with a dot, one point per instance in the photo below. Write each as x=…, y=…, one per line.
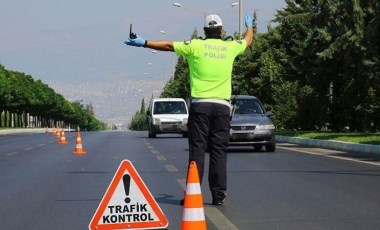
x=249, y=33
x=138, y=41
x=160, y=45
x=249, y=36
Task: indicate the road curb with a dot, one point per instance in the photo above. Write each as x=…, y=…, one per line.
x=336, y=145
x=27, y=131
x=21, y=131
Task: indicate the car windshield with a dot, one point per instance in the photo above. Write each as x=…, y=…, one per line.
x=169, y=107
x=248, y=106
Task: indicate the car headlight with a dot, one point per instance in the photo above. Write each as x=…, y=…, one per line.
x=261, y=127
x=157, y=121
x=184, y=121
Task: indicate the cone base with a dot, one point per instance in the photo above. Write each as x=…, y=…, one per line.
x=79, y=152
x=189, y=225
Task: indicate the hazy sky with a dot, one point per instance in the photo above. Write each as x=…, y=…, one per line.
x=81, y=41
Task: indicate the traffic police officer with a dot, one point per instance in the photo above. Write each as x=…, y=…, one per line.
x=210, y=63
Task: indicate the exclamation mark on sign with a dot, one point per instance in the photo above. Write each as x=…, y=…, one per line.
x=127, y=184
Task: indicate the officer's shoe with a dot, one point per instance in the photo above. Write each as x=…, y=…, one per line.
x=218, y=201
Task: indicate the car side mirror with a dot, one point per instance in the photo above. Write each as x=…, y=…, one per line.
x=148, y=112
x=269, y=113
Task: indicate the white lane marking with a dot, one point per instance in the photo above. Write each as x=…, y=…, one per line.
x=161, y=158
x=171, y=168
x=327, y=155
x=150, y=147
x=11, y=154
x=155, y=151
x=29, y=148
x=219, y=220
x=182, y=182
x=40, y=145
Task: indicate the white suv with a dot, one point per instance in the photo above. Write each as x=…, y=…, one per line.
x=167, y=115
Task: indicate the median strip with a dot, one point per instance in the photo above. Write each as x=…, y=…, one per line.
x=326, y=153
x=336, y=145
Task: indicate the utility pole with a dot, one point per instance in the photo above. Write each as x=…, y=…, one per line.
x=240, y=17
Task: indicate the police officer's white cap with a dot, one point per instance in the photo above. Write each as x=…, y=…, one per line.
x=213, y=21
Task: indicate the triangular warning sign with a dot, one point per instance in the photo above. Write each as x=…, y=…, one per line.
x=128, y=204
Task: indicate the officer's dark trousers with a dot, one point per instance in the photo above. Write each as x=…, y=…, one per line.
x=209, y=125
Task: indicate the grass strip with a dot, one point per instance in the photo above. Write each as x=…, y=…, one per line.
x=361, y=138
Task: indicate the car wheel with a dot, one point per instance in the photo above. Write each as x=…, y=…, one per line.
x=270, y=147
x=151, y=134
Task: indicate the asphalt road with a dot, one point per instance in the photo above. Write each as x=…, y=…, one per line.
x=45, y=186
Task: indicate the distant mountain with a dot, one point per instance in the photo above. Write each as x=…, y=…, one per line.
x=113, y=102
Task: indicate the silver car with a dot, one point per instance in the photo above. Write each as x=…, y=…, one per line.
x=251, y=124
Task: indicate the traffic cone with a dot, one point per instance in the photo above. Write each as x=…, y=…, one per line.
x=193, y=216
x=47, y=130
x=54, y=131
x=78, y=146
x=63, y=138
x=58, y=133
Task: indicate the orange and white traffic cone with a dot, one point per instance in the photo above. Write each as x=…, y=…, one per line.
x=58, y=133
x=63, y=138
x=78, y=146
x=54, y=131
x=193, y=216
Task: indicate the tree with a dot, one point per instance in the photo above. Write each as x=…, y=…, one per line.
x=21, y=97
x=5, y=95
x=318, y=68
x=140, y=119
